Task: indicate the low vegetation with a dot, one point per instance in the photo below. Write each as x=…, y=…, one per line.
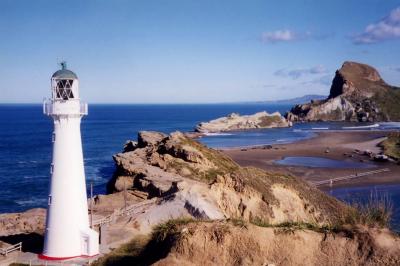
x=144, y=250
x=388, y=101
x=391, y=146
x=222, y=163
x=269, y=120
x=375, y=212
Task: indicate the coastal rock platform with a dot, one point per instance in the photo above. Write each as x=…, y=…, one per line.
x=242, y=122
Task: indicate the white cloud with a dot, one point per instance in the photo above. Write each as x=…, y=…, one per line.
x=297, y=73
x=278, y=36
x=287, y=35
x=385, y=29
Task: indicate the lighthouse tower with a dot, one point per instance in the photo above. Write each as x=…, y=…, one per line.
x=67, y=232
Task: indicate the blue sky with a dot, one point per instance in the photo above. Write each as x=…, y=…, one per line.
x=192, y=51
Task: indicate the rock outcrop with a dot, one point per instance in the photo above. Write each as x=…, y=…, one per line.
x=358, y=93
x=237, y=122
x=204, y=183
x=25, y=222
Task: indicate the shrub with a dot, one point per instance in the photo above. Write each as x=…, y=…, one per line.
x=376, y=211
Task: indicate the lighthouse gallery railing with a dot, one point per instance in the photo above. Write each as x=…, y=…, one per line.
x=71, y=107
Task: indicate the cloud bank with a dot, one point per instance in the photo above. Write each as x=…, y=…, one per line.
x=297, y=73
x=387, y=28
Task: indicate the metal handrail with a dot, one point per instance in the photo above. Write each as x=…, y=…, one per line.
x=331, y=180
x=6, y=251
x=48, y=107
x=131, y=210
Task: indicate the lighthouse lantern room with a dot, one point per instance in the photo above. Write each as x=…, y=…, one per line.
x=68, y=233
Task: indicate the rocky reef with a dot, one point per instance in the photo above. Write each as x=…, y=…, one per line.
x=235, y=121
x=358, y=93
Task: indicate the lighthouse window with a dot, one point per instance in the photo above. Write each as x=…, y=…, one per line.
x=64, y=89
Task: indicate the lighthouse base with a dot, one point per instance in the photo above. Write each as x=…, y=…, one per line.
x=87, y=246
x=44, y=257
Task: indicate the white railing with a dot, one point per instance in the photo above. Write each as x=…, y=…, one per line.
x=357, y=175
x=83, y=108
x=133, y=209
x=69, y=107
x=6, y=251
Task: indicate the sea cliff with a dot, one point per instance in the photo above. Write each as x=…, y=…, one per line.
x=357, y=93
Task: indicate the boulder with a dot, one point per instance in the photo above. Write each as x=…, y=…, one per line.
x=146, y=138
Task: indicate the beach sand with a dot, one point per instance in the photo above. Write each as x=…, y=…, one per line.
x=341, y=146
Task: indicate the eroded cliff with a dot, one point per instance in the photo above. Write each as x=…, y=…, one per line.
x=358, y=93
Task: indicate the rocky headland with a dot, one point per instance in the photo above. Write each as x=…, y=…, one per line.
x=205, y=209
x=235, y=121
x=358, y=93
x=173, y=201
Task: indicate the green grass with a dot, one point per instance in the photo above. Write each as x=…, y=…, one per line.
x=170, y=228
x=391, y=146
x=376, y=212
x=293, y=226
x=127, y=254
x=388, y=102
x=268, y=120
x=146, y=250
x=222, y=163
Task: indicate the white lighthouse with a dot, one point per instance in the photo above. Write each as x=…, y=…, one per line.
x=68, y=233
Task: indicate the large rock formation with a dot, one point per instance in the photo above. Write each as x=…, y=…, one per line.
x=204, y=183
x=221, y=213
x=237, y=122
x=358, y=93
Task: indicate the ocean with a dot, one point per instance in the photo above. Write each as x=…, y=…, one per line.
x=25, y=141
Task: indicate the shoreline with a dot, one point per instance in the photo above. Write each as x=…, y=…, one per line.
x=315, y=133
x=335, y=144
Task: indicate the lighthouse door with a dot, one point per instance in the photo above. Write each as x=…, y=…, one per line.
x=85, y=245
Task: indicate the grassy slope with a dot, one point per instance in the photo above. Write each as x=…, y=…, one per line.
x=391, y=146
x=258, y=179
x=389, y=103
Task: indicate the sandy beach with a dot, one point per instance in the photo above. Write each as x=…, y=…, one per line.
x=337, y=145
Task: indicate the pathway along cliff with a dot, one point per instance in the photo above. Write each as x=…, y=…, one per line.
x=358, y=93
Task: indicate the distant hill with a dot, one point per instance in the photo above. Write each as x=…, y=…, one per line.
x=358, y=93
x=298, y=100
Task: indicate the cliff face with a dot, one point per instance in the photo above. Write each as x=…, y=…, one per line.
x=237, y=122
x=204, y=209
x=205, y=183
x=246, y=244
x=358, y=93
